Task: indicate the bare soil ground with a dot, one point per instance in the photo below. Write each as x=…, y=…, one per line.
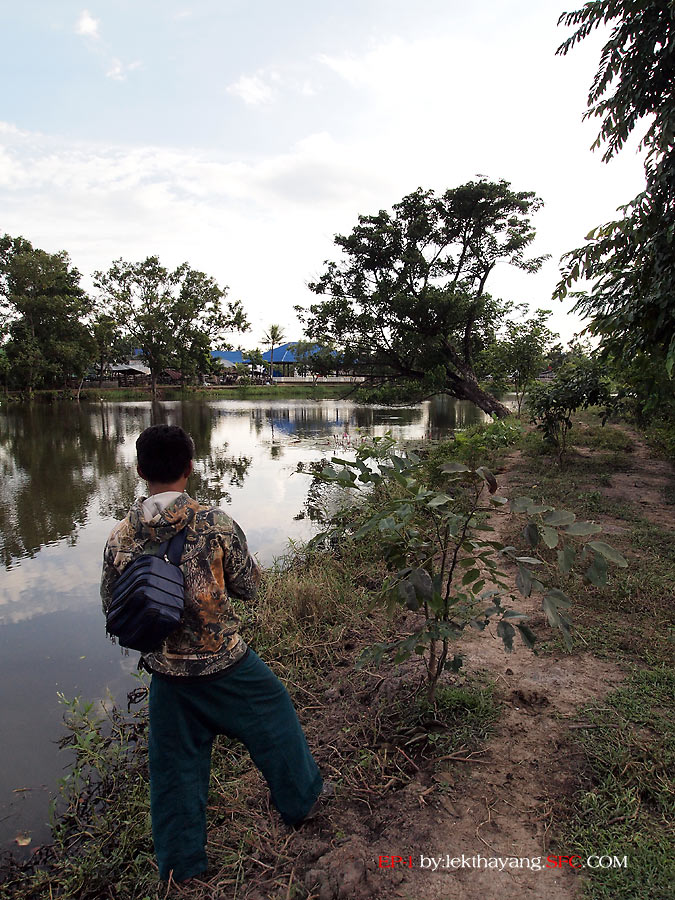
x=493, y=802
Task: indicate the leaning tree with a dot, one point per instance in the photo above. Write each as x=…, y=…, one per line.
x=408, y=300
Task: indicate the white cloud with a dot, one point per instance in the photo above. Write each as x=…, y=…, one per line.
x=252, y=89
x=267, y=85
x=87, y=25
x=223, y=216
x=118, y=70
x=408, y=112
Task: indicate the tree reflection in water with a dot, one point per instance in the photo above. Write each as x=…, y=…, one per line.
x=56, y=459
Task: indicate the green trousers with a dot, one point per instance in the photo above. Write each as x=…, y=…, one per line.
x=246, y=702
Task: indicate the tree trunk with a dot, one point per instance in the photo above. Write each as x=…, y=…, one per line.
x=462, y=384
x=464, y=389
x=153, y=380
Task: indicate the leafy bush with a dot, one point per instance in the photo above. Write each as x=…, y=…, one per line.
x=577, y=385
x=477, y=442
x=440, y=563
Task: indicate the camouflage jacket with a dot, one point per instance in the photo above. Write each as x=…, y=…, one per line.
x=215, y=563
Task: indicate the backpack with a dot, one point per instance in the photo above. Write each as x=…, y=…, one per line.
x=148, y=598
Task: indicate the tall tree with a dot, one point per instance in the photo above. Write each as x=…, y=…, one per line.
x=408, y=299
x=631, y=303
x=274, y=336
x=200, y=317
x=171, y=316
x=40, y=295
x=254, y=358
x=315, y=359
x=522, y=349
x=110, y=346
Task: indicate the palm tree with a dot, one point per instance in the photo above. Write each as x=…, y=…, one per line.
x=273, y=336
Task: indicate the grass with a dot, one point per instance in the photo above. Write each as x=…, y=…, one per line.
x=660, y=435
x=264, y=392
x=625, y=803
x=236, y=392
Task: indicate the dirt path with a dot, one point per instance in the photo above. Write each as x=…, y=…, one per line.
x=497, y=805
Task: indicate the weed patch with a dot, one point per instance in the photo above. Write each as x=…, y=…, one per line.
x=625, y=802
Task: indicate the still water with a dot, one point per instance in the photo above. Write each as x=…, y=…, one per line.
x=68, y=473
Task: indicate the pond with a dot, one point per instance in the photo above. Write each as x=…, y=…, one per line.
x=68, y=473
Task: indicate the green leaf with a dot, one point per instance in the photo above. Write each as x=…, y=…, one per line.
x=528, y=636
x=439, y=500
x=421, y=581
x=597, y=571
x=560, y=597
x=387, y=524
x=454, y=664
x=471, y=576
x=559, y=517
x=453, y=467
x=549, y=536
x=582, y=528
x=529, y=560
x=488, y=478
x=506, y=632
x=531, y=534
x=498, y=501
x=521, y=504
x=609, y=553
x=366, y=527
x=566, y=559
x=524, y=581
x=551, y=610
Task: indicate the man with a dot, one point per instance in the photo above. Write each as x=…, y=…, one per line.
x=205, y=680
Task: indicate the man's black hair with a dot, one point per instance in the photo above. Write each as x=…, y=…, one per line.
x=164, y=453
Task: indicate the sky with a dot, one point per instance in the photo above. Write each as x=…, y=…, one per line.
x=242, y=135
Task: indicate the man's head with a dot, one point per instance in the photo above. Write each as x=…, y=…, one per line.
x=164, y=453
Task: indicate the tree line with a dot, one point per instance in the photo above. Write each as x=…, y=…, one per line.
x=407, y=299
x=54, y=331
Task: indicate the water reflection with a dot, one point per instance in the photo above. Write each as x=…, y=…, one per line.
x=68, y=472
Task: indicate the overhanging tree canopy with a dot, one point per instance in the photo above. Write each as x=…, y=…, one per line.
x=631, y=304
x=408, y=298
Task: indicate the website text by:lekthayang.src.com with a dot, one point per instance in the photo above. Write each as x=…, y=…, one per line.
x=501, y=863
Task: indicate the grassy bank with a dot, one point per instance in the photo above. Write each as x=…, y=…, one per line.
x=310, y=623
x=266, y=392
x=236, y=392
